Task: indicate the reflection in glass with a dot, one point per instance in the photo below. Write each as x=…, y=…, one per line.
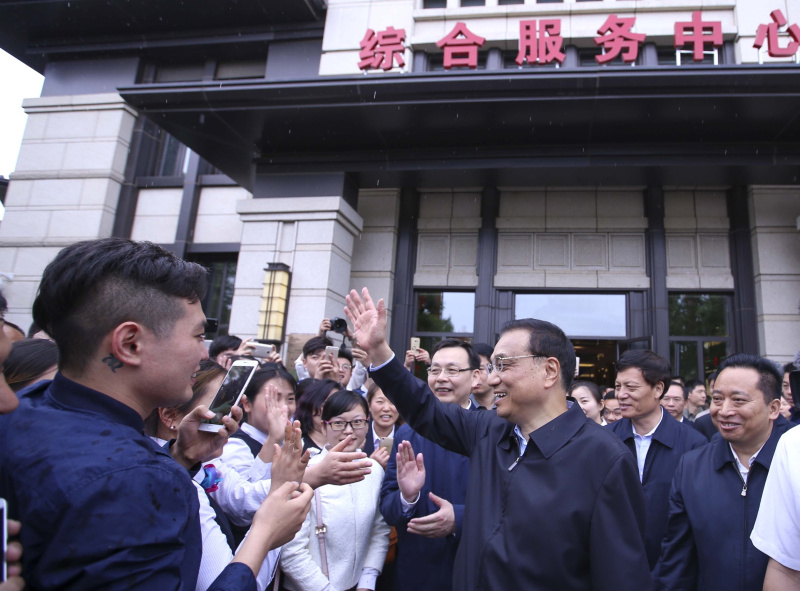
x=714, y=353
x=445, y=311
x=585, y=315
x=698, y=314
x=683, y=359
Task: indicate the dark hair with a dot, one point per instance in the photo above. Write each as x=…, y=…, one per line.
x=224, y=342
x=264, y=375
x=684, y=389
x=591, y=386
x=311, y=403
x=347, y=355
x=472, y=357
x=547, y=339
x=28, y=360
x=3, y=304
x=712, y=377
x=316, y=344
x=209, y=370
x=770, y=377
x=693, y=383
x=33, y=329
x=789, y=367
x=372, y=392
x=341, y=402
x=483, y=349
x=653, y=366
x=91, y=287
x=610, y=395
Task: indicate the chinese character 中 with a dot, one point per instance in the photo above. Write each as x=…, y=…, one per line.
x=770, y=33
x=616, y=36
x=460, y=47
x=382, y=50
x=542, y=48
x=698, y=33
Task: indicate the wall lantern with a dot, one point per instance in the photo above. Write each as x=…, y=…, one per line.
x=274, y=302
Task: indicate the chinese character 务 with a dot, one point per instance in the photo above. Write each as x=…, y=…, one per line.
x=546, y=48
x=698, y=33
x=616, y=36
x=382, y=50
x=460, y=47
x=770, y=33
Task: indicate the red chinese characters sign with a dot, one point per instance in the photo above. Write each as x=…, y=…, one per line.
x=540, y=42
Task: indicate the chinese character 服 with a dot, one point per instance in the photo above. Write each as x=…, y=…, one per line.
x=698, y=33
x=460, y=47
x=770, y=34
x=382, y=50
x=617, y=38
x=542, y=48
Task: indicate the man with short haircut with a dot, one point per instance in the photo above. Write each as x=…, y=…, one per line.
x=786, y=391
x=674, y=401
x=656, y=440
x=482, y=396
x=102, y=507
x=314, y=354
x=223, y=347
x=611, y=411
x=553, y=500
x=717, y=489
x=423, y=496
x=695, y=399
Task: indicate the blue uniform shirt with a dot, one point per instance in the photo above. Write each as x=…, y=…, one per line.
x=101, y=505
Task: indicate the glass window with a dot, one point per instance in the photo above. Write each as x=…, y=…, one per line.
x=219, y=297
x=584, y=315
x=449, y=312
x=434, y=3
x=698, y=315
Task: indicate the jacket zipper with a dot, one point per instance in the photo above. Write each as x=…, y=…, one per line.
x=519, y=455
x=744, y=482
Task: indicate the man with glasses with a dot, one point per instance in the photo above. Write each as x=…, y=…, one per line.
x=423, y=495
x=553, y=500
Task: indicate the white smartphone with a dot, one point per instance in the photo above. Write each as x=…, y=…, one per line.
x=229, y=393
x=387, y=443
x=415, y=345
x=3, y=539
x=333, y=352
x=261, y=350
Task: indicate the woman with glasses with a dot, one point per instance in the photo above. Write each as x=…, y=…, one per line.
x=343, y=541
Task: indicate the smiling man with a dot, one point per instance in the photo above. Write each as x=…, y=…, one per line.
x=674, y=401
x=656, y=440
x=717, y=489
x=424, y=497
x=553, y=500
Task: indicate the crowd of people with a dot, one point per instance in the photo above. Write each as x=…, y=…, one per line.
x=345, y=471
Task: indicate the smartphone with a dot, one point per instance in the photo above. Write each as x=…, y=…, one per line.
x=387, y=443
x=415, y=345
x=333, y=352
x=229, y=393
x=3, y=539
x=577, y=366
x=261, y=350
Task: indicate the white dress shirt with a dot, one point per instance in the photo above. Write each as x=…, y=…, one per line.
x=237, y=455
x=643, y=445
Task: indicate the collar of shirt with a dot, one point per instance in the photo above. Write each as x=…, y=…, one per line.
x=643, y=445
x=743, y=470
x=76, y=396
x=253, y=432
x=552, y=436
x=376, y=439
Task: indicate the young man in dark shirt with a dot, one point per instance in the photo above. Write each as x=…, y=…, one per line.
x=101, y=506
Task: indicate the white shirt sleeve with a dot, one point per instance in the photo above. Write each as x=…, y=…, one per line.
x=239, y=498
x=216, y=552
x=777, y=529
x=368, y=579
x=359, y=376
x=237, y=456
x=408, y=508
x=300, y=369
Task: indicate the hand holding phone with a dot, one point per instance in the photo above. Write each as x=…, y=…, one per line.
x=415, y=345
x=229, y=393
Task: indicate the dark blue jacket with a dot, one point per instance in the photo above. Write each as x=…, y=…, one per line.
x=670, y=441
x=101, y=505
x=706, y=426
x=707, y=544
x=568, y=514
x=425, y=563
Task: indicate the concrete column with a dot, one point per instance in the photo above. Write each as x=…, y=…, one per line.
x=776, y=265
x=65, y=187
x=315, y=237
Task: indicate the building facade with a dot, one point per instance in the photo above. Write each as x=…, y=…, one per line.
x=626, y=169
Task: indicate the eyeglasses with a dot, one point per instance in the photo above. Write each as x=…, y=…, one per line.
x=498, y=362
x=345, y=366
x=448, y=371
x=341, y=425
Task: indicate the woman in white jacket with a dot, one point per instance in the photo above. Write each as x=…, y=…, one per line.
x=343, y=542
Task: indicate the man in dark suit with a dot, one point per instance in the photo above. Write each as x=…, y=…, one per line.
x=656, y=440
x=423, y=496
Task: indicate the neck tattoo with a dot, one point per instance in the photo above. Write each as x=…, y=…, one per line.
x=112, y=362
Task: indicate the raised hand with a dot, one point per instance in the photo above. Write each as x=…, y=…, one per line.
x=369, y=321
x=289, y=462
x=410, y=472
x=339, y=467
x=436, y=525
x=193, y=445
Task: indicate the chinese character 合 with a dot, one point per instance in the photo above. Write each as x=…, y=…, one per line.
x=546, y=48
x=770, y=33
x=698, y=33
x=382, y=50
x=616, y=36
x=460, y=47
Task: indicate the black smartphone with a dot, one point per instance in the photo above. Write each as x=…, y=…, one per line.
x=229, y=393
